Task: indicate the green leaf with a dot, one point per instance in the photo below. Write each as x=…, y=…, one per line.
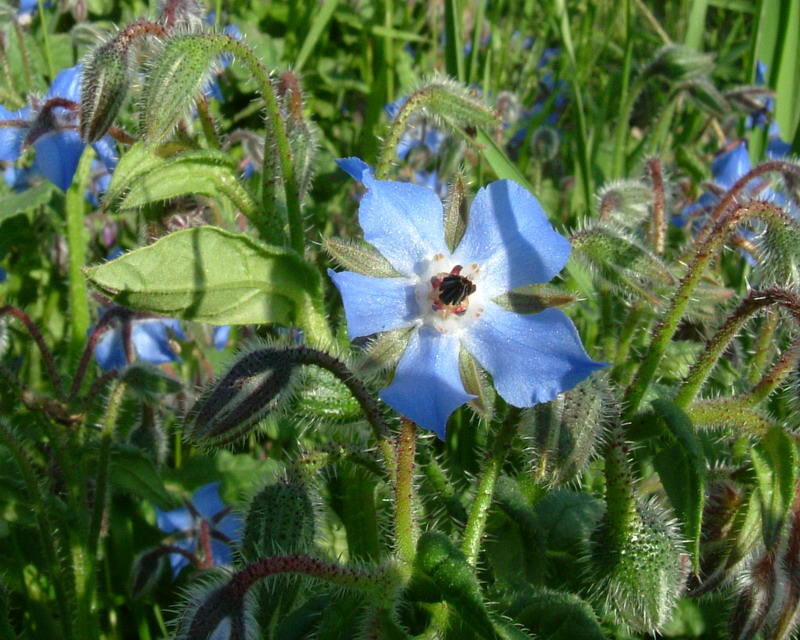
x=499, y=161
x=207, y=172
x=215, y=276
x=133, y=471
x=682, y=471
x=139, y=160
x=24, y=201
x=775, y=464
x=558, y=615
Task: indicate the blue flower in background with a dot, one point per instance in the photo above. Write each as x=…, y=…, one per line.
x=221, y=336
x=446, y=297
x=150, y=339
x=204, y=526
x=51, y=126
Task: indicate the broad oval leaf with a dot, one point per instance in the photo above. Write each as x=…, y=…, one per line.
x=212, y=275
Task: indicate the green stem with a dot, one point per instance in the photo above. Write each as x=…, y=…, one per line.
x=48, y=52
x=88, y=576
x=396, y=129
x=59, y=570
x=755, y=302
x=473, y=533
x=772, y=379
x=80, y=317
x=677, y=306
x=763, y=346
x=23, y=54
x=620, y=500
x=406, y=526
x=276, y=139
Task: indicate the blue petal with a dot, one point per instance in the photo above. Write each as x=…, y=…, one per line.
x=403, y=221
x=67, y=84
x=532, y=358
x=777, y=148
x=232, y=525
x=731, y=165
x=207, y=501
x=427, y=385
x=11, y=137
x=356, y=168
x=174, y=325
x=373, y=305
x=57, y=156
x=221, y=336
x=110, y=350
x=106, y=150
x=174, y=520
x=178, y=561
x=152, y=342
x=221, y=553
x=510, y=238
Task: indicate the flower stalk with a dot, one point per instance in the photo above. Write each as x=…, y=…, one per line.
x=473, y=533
x=406, y=525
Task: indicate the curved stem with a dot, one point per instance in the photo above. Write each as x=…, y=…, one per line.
x=276, y=138
x=49, y=360
x=473, y=533
x=665, y=330
x=716, y=346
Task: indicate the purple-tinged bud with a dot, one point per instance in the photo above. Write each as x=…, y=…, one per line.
x=217, y=611
x=252, y=387
x=145, y=571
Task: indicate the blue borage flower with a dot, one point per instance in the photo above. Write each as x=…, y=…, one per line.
x=204, y=525
x=446, y=297
x=51, y=126
x=150, y=340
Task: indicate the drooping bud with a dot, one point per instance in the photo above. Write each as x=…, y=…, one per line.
x=185, y=14
x=678, y=63
x=146, y=569
x=106, y=77
x=563, y=434
x=216, y=610
x=778, y=250
x=252, y=387
x=625, y=201
x=705, y=94
x=301, y=132
x=178, y=76
x=545, y=142
x=621, y=261
x=639, y=574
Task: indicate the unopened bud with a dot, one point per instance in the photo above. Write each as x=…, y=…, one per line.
x=177, y=78
x=545, y=142
x=641, y=573
x=251, y=388
x=564, y=433
x=145, y=571
x=106, y=78
x=625, y=201
x=214, y=612
x=678, y=63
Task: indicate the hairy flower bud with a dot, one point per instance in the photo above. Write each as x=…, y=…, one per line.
x=640, y=573
x=563, y=434
x=678, y=63
x=252, y=387
x=625, y=201
x=106, y=78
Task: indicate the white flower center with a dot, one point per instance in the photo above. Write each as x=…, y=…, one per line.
x=448, y=294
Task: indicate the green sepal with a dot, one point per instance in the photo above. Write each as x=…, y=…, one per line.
x=383, y=352
x=456, y=212
x=211, y=275
x=475, y=383
x=360, y=257
x=534, y=298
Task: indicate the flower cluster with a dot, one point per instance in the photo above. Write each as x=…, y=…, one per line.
x=446, y=297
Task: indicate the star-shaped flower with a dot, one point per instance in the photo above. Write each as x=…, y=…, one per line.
x=51, y=127
x=205, y=527
x=447, y=297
